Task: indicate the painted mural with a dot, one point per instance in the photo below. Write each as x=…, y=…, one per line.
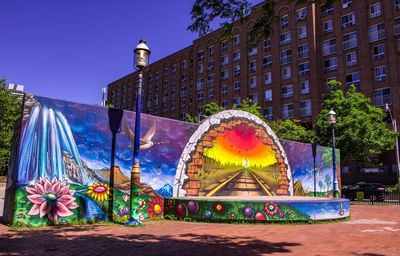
x=71, y=164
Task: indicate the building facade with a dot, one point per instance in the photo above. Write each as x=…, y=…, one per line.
x=352, y=41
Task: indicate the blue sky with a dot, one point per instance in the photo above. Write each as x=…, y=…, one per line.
x=70, y=49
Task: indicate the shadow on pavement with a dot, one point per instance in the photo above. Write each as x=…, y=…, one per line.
x=77, y=241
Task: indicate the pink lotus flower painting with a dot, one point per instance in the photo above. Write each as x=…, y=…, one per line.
x=52, y=198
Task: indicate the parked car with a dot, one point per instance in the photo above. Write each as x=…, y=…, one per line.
x=372, y=191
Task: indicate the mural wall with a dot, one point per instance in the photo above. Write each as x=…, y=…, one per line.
x=66, y=153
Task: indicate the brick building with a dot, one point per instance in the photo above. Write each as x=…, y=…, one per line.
x=355, y=42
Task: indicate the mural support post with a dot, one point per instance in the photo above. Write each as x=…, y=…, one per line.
x=314, y=152
x=335, y=183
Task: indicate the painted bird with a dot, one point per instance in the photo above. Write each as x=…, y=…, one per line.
x=146, y=141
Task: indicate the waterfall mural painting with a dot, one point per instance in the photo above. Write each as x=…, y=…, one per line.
x=66, y=153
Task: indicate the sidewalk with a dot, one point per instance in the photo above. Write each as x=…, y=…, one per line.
x=372, y=230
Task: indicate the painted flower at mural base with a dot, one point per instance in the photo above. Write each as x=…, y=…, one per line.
x=218, y=207
x=155, y=207
x=52, y=198
x=98, y=191
x=271, y=208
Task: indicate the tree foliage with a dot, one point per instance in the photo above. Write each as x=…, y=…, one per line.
x=290, y=130
x=212, y=108
x=248, y=106
x=10, y=109
x=360, y=129
x=205, y=12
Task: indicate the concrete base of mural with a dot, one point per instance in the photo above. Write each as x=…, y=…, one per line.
x=256, y=209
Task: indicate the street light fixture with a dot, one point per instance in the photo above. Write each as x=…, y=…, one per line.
x=394, y=124
x=141, y=62
x=332, y=123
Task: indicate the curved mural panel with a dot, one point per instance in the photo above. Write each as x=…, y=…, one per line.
x=233, y=153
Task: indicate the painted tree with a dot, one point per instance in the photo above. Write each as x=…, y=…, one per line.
x=360, y=130
x=205, y=12
x=10, y=110
x=328, y=181
x=320, y=185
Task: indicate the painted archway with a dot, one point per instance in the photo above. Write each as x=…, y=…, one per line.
x=233, y=153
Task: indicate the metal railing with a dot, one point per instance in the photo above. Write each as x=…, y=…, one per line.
x=390, y=198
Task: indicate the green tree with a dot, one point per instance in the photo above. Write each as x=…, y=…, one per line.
x=248, y=106
x=290, y=130
x=212, y=108
x=205, y=12
x=10, y=110
x=360, y=129
x=191, y=119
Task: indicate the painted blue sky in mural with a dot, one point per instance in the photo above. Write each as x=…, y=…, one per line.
x=90, y=129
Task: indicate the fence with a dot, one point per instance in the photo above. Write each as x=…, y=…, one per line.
x=390, y=198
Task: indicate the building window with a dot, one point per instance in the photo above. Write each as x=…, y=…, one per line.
x=304, y=69
x=376, y=32
x=287, y=91
x=211, y=51
x=348, y=20
x=224, y=90
x=346, y=3
x=200, y=84
x=224, y=104
x=326, y=9
x=378, y=52
x=224, y=60
x=183, y=116
x=286, y=57
x=224, y=46
x=305, y=108
x=397, y=27
x=302, y=52
x=253, y=66
x=236, y=40
x=328, y=47
x=200, y=68
x=253, y=82
x=353, y=79
x=184, y=64
x=200, y=55
x=268, y=95
x=382, y=97
x=285, y=38
x=380, y=73
x=224, y=74
x=350, y=41
x=267, y=61
x=211, y=93
x=236, y=71
x=236, y=86
x=287, y=111
x=236, y=56
x=210, y=80
x=286, y=73
x=267, y=78
x=351, y=59
x=252, y=51
x=211, y=65
x=268, y=114
x=397, y=5
x=267, y=44
x=330, y=64
x=375, y=10
x=237, y=101
x=172, y=105
x=200, y=96
x=328, y=26
x=253, y=98
x=301, y=14
x=302, y=32
x=305, y=87
x=285, y=21
x=173, y=69
x=184, y=77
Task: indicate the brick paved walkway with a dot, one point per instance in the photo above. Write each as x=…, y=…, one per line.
x=372, y=231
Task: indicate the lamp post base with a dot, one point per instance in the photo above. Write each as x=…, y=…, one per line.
x=133, y=223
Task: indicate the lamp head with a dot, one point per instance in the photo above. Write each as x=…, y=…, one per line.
x=331, y=117
x=387, y=109
x=142, y=55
